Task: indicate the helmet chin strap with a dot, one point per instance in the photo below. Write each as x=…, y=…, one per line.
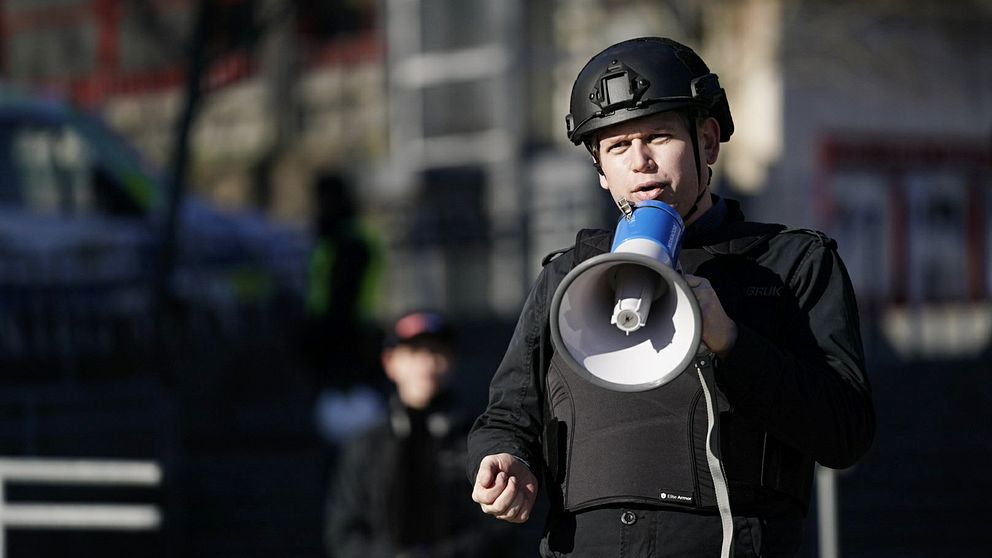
x=694, y=136
x=695, y=204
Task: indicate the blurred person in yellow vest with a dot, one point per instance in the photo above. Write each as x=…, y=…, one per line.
x=340, y=339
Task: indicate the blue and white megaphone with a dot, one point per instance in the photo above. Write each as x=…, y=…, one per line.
x=627, y=320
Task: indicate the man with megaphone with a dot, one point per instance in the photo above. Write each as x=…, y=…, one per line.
x=672, y=382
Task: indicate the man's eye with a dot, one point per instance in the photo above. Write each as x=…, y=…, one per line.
x=618, y=146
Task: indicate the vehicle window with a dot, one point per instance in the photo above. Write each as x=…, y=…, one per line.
x=59, y=174
x=51, y=165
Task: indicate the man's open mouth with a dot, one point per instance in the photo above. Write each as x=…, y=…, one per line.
x=648, y=191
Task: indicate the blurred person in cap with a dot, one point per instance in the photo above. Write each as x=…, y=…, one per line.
x=633, y=473
x=399, y=489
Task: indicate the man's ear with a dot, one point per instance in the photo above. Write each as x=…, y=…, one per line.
x=602, y=181
x=594, y=153
x=709, y=135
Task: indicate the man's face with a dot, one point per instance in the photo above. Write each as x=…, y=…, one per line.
x=418, y=372
x=651, y=158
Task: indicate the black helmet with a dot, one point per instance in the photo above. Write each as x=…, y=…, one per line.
x=639, y=77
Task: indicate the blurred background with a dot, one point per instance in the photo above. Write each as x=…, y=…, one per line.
x=209, y=209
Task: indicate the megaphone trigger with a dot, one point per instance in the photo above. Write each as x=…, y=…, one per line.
x=635, y=287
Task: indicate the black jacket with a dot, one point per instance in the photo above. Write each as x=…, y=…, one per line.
x=796, y=371
x=399, y=491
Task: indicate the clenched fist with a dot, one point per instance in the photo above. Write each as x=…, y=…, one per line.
x=505, y=488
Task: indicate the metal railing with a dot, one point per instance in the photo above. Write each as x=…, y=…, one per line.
x=826, y=512
x=63, y=472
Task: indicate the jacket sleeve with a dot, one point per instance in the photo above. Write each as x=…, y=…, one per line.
x=813, y=396
x=512, y=422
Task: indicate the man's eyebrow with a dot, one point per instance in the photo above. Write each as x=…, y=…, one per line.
x=618, y=137
x=613, y=138
x=659, y=129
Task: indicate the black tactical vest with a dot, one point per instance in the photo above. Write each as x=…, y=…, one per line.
x=642, y=447
x=648, y=448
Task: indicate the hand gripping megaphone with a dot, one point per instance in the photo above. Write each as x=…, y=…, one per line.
x=627, y=320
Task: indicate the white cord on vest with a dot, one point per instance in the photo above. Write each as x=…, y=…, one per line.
x=716, y=466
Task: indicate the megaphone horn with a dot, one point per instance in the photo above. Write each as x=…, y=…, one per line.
x=627, y=320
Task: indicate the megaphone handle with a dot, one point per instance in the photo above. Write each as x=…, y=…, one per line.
x=704, y=369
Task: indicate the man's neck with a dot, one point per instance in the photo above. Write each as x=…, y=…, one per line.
x=709, y=218
x=701, y=207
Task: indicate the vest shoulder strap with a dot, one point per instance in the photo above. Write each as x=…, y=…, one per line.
x=591, y=242
x=742, y=237
x=553, y=255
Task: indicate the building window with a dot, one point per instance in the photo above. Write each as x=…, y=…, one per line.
x=911, y=219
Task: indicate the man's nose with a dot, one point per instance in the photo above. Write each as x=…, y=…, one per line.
x=641, y=160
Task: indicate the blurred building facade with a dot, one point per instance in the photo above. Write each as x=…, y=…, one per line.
x=870, y=121
x=449, y=116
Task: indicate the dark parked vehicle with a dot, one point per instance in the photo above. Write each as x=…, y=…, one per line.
x=81, y=219
x=97, y=361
